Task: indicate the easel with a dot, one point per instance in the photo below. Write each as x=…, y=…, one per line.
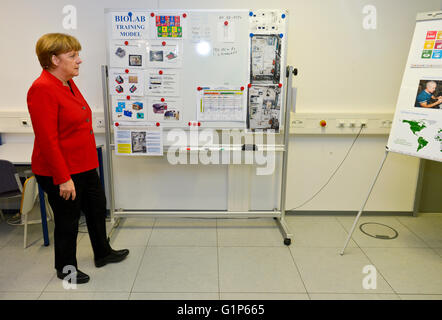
x=365, y=202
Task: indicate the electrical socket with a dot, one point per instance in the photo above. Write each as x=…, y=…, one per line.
x=99, y=123
x=25, y=123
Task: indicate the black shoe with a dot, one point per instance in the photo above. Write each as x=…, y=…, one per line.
x=114, y=256
x=81, y=277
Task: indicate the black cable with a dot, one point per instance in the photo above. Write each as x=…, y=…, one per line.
x=333, y=174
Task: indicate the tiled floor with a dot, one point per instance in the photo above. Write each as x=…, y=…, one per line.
x=237, y=259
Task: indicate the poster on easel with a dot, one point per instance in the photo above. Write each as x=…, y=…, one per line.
x=417, y=124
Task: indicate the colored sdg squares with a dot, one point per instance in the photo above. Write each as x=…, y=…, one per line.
x=433, y=45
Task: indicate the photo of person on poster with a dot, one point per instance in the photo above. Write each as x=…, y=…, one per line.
x=428, y=94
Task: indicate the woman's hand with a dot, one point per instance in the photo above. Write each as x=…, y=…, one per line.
x=67, y=190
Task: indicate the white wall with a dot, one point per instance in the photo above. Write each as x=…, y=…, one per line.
x=342, y=68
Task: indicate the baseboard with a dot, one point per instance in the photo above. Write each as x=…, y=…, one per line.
x=347, y=213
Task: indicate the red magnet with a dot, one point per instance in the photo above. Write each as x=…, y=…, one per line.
x=126, y=42
x=128, y=97
x=242, y=88
x=184, y=15
x=127, y=70
x=249, y=85
x=322, y=123
x=199, y=88
x=161, y=72
x=117, y=124
x=162, y=99
x=158, y=124
x=194, y=124
x=152, y=14
x=226, y=23
x=280, y=85
x=188, y=149
x=189, y=124
x=163, y=43
x=199, y=124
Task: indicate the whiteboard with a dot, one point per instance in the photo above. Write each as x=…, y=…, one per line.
x=188, y=74
x=417, y=124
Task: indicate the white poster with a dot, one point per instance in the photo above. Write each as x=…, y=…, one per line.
x=126, y=82
x=127, y=54
x=164, y=109
x=130, y=25
x=264, y=107
x=133, y=110
x=417, y=124
x=164, y=54
x=221, y=104
x=162, y=82
x=143, y=142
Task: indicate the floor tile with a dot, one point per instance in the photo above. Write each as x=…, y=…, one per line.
x=132, y=232
x=84, y=296
x=112, y=277
x=318, y=233
x=254, y=269
x=249, y=232
x=27, y=270
x=324, y=270
x=409, y=270
x=262, y=296
x=421, y=296
x=353, y=296
x=428, y=228
x=173, y=296
x=178, y=269
x=405, y=239
x=184, y=232
x=19, y=295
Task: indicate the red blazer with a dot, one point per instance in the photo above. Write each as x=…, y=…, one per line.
x=64, y=140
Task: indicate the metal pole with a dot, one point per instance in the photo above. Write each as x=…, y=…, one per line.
x=107, y=122
x=365, y=202
x=289, y=75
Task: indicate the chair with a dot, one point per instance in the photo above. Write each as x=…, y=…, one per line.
x=30, y=206
x=10, y=186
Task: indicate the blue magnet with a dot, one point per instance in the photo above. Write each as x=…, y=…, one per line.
x=251, y=35
x=251, y=13
x=283, y=16
x=281, y=35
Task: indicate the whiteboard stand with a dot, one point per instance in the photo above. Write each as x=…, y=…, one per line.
x=278, y=215
x=365, y=202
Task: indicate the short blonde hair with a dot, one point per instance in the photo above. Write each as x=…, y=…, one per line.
x=54, y=44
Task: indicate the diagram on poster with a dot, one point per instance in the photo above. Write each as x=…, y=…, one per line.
x=221, y=105
x=162, y=82
x=127, y=54
x=164, y=54
x=146, y=142
x=129, y=25
x=128, y=110
x=126, y=82
x=264, y=107
x=168, y=26
x=266, y=58
x=164, y=109
x=427, y=45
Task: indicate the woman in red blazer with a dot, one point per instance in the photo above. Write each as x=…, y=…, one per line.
x=64, y=159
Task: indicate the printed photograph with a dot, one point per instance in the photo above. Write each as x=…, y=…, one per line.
x=138, y=139
x=159, y=107
x=135, y=60
x=429, y=94
x=133, y=79
x=156, y=56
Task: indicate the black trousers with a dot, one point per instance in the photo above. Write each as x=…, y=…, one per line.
x=91, y=200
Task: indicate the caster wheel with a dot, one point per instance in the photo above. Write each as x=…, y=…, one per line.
x=287, y=241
